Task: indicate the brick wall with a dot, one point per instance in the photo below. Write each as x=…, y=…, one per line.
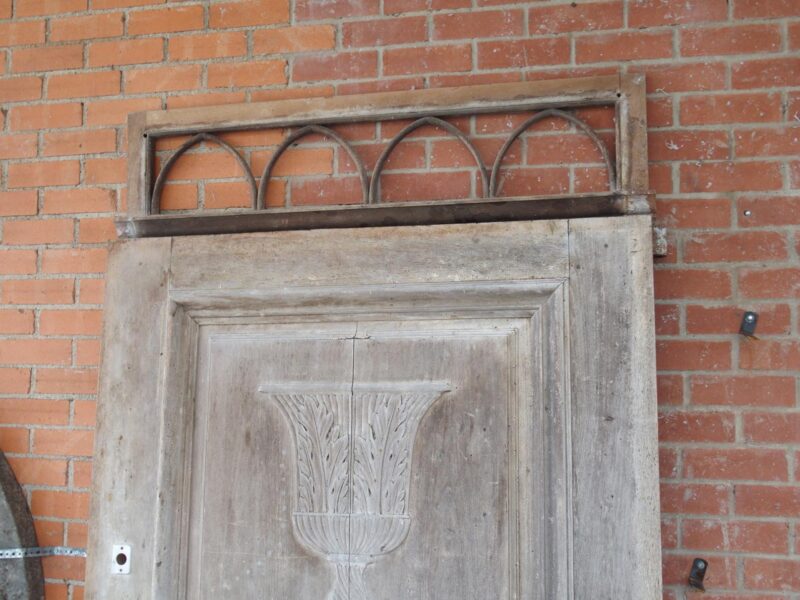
x=724, y=113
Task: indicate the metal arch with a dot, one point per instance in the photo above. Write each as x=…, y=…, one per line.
x=300, y=133
x=155, y=201
x=540, y=116
x=374, y=187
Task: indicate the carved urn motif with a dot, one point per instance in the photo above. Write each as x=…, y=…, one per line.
x=353, y=448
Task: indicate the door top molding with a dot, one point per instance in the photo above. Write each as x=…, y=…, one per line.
x=627, y=172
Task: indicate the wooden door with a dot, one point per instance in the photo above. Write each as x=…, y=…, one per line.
x=438, y=412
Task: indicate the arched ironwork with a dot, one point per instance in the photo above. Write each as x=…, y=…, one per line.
x=541, y=116
x=294, y=137
x=155, y=206
x=374, y=187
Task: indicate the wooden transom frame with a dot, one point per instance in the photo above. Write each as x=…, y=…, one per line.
x=629, y=193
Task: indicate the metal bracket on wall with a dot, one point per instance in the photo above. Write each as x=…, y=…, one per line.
x=39, y=552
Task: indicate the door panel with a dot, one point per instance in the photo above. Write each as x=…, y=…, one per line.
x=381, y=414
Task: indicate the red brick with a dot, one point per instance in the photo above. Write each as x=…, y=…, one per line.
x=105, y=170
x=22, y=33
x=764, y=9
x=30, y=411
x=628, y=45
x=92, y=291
x=734, y=464
x=30, y=291
x=14, y=439
x=87, y=352
x=523, y=53
x=477, y=24
x=247, y=74
x=770, y=283
x=691, y=283
x=772, y=428
x=13, y=380
x=5, y=9
x=74, y=260
x=64, y=568
x=209, y=45
x=126, y=52
x=18, y=203
x=670, y=390
x=694, y=498
x=730, y=177
x=768, y=501
x=95, y=231
x=82, y=478
x=82, y=141
x=768, y=142
x=383, y=32
x=772, y=574
x=66, y=381
x=583, y=16
x=736, y=247
x=766, y=73
x=296, y=161
x=49, y=58
x=50, y=231
x=62, y=442
x=342, y=65
x=307, y=10
x=212, y=99
x=115, y=112
x=735, y=536
x=249, y=13
x=46, y=116
x=70, y=322
x=693, y=355
x=687, y=144
x=774, y=355
x=85, y=27
x=743, y=391
x=693, y=426
x=39, y=471
x=730, y=108
x=652, y=13
x=165, y=20
x=410, y=187
x=667, y=463
x=16, y=321
x=20, y=88
x=667, y=319
x=84, y=200
x=715, y=41
x=693, y=213
x=35, y=352
x=17, y=146
x=61, y=505
x=773, y=319
x=104, y=4
x=79, y=85
x=36, y=8
x=162, y=79
x=770, y=210
x=17, y=262
x=672, y=77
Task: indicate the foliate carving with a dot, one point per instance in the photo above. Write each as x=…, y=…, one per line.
x=353, y=447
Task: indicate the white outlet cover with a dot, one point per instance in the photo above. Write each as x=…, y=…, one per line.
x=121, y=559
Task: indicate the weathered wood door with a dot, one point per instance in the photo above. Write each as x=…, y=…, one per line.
x=441, y=412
